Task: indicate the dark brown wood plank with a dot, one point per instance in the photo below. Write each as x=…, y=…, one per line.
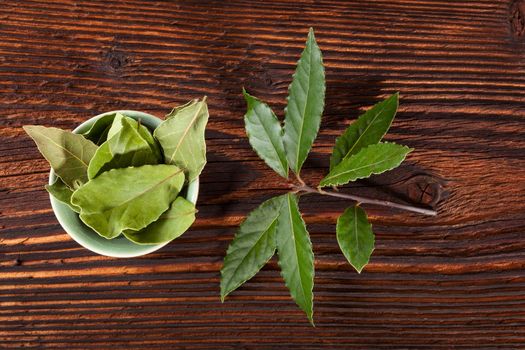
x=453, y=281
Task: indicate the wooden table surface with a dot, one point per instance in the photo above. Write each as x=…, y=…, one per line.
x=453, y=281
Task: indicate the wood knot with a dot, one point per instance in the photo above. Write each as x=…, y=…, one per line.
x=116, y=60
x=517, y=17
x=424, y=189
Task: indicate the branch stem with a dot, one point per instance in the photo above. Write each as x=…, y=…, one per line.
x=307, y=189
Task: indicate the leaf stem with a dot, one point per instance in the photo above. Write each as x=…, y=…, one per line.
x=301, y=181
x=307, y=189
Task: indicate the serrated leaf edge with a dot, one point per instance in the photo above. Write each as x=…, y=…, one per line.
x=229, y=250
x=285, y=167
x=341, y=248
x=311, y=36
x=362, y=117
x=311, y=315
x=323, y=182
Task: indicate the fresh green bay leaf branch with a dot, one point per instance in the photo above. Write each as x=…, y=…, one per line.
x=277, y=224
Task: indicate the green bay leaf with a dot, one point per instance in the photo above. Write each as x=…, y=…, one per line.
x=103, y=136
x=253, y=245
x=374, y=159
x=305, y=105
x=98, y=132
x=170, y=225
x=181, y=137
x=367, y=130
x=355, y=237
x=265, y=134
x=61, y=192
x=133, y=141
x=146, y=134
x=296, y=257
x=68, y=154
x=175, y=110
x=102, y=157
x=142, y=130
x=127, y=198
x=127, y=147
x=116, y=125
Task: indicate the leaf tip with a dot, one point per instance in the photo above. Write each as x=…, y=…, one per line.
x=224, y=292
x=245, y=94
x=250, y=100
x=311, y=33
x=29, y=128
x=311, y=38
x=311, y=319
x=395, y=96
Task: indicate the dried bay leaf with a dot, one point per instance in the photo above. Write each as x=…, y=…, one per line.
x=116, y=125
x=181, y=137
x=143, y=131
x=68, y=154
x=133, y=140
x=176, y=110
x=127, y=147
x=61, y=192
x=102, y=157
x=98, y=132
x=170, y=225
x=128, y=198
x=153, y=144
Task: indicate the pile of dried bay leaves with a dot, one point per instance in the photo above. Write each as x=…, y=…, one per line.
x=123, y=179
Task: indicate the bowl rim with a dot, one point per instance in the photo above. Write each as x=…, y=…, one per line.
x=58, y=207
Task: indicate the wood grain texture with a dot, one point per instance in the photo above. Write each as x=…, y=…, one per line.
x=453, y=281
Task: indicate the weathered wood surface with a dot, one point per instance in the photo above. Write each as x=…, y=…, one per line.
x=456, y=280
